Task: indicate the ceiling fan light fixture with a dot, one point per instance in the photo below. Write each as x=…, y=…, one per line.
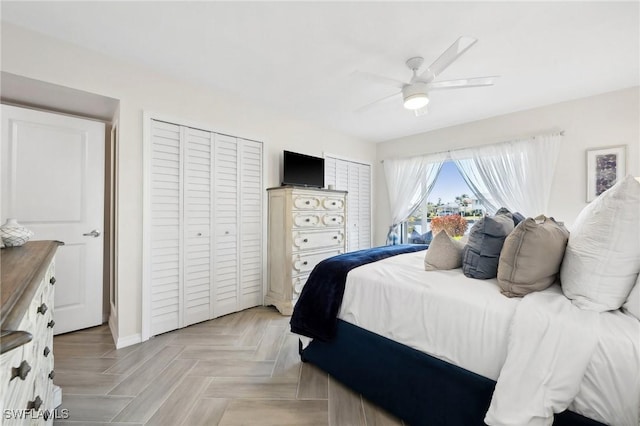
x=415, y=96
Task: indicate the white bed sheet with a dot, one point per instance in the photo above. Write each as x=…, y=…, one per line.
x=443, y=313
x=466, y=322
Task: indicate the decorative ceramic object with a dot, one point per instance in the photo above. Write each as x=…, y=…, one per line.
x=13, y=234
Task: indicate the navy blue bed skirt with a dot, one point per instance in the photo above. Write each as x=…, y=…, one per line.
x=413, y=386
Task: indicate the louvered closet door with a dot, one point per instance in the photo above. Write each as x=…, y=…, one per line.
x=342, y=177
x=364, y=210
x=353, y=207
x=165, y=228
x=197, y=226
x=251, y=219
x=330, y=171
x=356, y=179
x=225, y=243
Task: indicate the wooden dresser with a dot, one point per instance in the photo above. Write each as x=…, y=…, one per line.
x=27, y=393
x=305, y=227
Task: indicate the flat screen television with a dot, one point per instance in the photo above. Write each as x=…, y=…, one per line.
x=302, y=170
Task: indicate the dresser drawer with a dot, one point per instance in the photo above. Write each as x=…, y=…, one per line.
x=302, y=201
x=333, y=219
x=297, y=285
x=307, y=219
x=309, y=240
x=17, y=391
x=333, y=203
x=303, y=263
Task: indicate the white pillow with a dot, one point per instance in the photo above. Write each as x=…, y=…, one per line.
x=444, y=253
x=602, y=259
x=632, y=305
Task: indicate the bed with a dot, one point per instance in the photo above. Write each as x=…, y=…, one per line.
x=438, y=348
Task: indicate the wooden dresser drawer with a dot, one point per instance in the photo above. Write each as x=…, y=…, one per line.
x=309, y=240
x=297, y=285
x=302, y=201
x=31, y=312
x=304, y=263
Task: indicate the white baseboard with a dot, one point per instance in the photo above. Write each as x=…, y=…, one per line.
x=122, y=342
x=128, y=341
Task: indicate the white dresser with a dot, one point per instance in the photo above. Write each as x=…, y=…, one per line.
x=306, y=226
x=27, y=393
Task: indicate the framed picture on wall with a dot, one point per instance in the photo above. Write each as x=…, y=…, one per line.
x=604, y=167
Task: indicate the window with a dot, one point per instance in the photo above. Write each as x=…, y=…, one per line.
x=450, y=196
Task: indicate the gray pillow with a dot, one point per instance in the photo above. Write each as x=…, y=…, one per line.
x=531, y=256
x=481, y=254
x=443, y=253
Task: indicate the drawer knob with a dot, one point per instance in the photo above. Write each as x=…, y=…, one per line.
x=305, y=240
x=307, y=220
x=199, y=234
x=335, y=237
x=52, y=374
x=334, y=219
x=47, y=351
x=51, y=323
x=52, y=281
x=305, y=262
x=35, y=404
x=42, y=309
x=333, y=204
x=22, y=371
x=307, y=202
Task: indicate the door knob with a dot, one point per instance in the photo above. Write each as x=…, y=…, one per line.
x=95, y=234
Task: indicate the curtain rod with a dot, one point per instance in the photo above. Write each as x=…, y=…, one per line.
x=561, y=133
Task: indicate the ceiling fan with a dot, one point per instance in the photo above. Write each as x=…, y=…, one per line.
x=415, y=93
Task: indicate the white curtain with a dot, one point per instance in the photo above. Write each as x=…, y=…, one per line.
x=516, y=175
x=409, y=182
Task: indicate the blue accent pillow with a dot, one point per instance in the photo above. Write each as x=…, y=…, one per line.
x=517, y=218
x=481, y=254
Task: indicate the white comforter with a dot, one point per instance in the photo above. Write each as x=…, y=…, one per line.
x=592, y=365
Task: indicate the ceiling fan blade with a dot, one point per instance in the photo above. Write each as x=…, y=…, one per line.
x=421, y=111
x=380, y=79
x=370, y=105
x=462, y=83
x=454, y=51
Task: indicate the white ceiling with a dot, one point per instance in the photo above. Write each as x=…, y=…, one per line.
x=300, y=57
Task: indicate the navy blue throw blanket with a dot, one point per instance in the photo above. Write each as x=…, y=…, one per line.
x=316, y=312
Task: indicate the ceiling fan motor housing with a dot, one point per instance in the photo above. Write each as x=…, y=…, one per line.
x=415, y=95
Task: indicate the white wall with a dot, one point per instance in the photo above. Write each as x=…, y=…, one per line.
x=36, y=56
x=603, y=120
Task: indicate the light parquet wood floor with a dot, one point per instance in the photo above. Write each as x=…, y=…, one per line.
x=240, y=369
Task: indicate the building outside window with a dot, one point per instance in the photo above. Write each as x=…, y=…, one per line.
x=450, y=196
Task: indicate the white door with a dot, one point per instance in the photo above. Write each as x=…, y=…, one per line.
x=197, y=226
x=251, y=222
x=164, y=268
x=226, y=289
x=52, y=181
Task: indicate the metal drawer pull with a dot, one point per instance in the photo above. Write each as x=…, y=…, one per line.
x=47, y=351
x=52, y=374
x=35, y=404
x=42, y=309
x=52, y=281
x=22, y=371
x=51, y=323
